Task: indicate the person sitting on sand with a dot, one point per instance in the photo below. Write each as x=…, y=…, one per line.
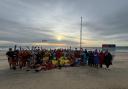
x=72, y=59
x=46, y=65
x=49, y=65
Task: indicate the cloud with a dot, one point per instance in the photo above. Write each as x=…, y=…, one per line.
x=36, y=20
x=112, y=26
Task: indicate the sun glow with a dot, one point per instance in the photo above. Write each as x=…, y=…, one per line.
x=59, y=38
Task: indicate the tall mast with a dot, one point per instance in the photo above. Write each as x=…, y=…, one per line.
x=81, y=33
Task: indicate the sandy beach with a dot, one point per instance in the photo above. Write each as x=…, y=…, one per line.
x=83, y=77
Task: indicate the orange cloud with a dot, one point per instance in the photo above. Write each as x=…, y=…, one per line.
x=49, y=44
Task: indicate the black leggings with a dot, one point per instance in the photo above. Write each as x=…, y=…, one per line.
x=107, y=65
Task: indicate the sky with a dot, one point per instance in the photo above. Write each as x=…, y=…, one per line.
x=58, y=22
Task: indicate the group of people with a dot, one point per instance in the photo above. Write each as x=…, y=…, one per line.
x=44, y=59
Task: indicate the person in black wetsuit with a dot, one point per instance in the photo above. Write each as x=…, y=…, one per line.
x=39, y=62
x=16, y=56
x=108, y=59
x=90, y=60
x=11, y=59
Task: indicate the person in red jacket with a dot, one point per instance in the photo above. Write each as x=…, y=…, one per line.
x=58, y=54
x=102, y=57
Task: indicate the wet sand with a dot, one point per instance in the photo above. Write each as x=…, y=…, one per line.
x=83, y=77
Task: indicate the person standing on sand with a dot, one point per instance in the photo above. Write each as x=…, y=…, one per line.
x=96, y=58
x=58, y=54
x=10, y=56
x=90, y=59
x=85, y=57
x=102, y=57
x=11, y=59
x=108, y=59
x=77, y=57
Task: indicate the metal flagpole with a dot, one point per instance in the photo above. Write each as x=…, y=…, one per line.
x=81, y=34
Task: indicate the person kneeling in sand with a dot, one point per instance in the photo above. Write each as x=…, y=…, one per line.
x=47, y=65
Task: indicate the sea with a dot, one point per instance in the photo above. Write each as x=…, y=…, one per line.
x=117, y=49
